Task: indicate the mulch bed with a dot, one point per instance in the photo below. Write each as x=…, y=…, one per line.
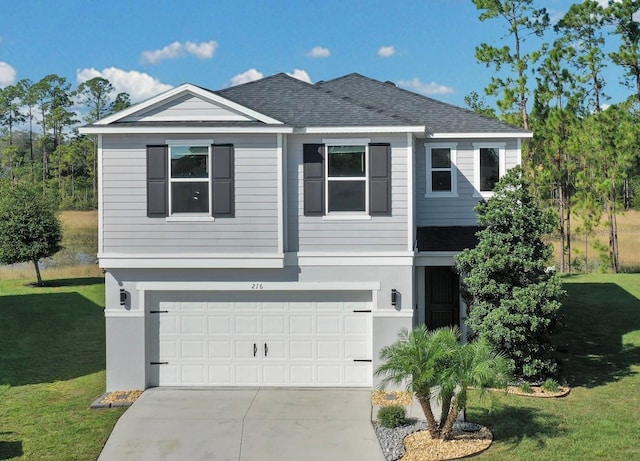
x=116, y=399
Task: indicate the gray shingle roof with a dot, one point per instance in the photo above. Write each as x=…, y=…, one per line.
x=438, y=116
x=301, y=104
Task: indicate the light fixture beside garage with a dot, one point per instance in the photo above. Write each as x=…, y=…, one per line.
x=123, y=297
x=394, y=297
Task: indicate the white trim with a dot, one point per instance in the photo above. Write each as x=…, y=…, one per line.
x=99, y=185
x=392, y=313
x=453, y=170
x=179, y=91
x=519, y=150
x=502, y=164
x=346, y=216
x=190, y=261
x=180, y=218
x=346, y=141
x=360, y=129
x=188, y=129
x=111, y=313
x=257, y=285
x=496, y=135
x=354, y=260
x=411, y=203
x=280, y=193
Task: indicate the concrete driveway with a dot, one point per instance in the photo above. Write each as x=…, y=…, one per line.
x=245, y=425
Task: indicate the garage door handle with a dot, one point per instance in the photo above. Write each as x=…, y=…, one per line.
x=255, y=349
x=266, y=349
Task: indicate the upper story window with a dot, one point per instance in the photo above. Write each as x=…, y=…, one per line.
x=489, y=166
x=346, y=178
x=190, y=179
x=441, y=170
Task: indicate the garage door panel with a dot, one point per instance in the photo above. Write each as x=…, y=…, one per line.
x=221, y=350
x=193, y=350
x=220, y=339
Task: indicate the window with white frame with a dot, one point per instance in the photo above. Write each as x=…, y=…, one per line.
x=441, y=170
x=190, y=179
x=346, y=174
x=489, y=166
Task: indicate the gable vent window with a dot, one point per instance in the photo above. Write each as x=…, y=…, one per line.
x=190, y=180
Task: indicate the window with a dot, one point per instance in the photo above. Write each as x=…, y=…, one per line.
x=189, y=191
x=441, y=170
x=489, y=166
x=190, y=180
x=346, y=178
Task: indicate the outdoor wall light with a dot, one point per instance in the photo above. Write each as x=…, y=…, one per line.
x=123, y=297
x=394, y=297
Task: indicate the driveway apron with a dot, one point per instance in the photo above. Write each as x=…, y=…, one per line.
x=245, y=425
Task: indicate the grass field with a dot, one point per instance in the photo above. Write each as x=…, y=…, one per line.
x=52, y=362
x=585, y=255
x=600, y=353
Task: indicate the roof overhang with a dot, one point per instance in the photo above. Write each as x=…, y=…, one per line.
x=188, y=129
x=360, y=129
x=492, y=135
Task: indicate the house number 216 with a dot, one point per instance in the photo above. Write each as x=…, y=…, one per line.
x=257, y=286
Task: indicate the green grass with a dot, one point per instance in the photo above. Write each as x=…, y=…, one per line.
x=599, y=346
x=51, y=369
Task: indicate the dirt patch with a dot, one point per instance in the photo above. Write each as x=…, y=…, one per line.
x=420, y=446
x=537, y=391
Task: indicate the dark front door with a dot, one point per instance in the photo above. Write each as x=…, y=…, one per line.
x=442, y=285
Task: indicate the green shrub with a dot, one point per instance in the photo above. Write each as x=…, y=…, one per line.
x=526, y=388
x=550, y=385
x=391, y=416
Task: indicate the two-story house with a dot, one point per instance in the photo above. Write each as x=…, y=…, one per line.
x=280, y=233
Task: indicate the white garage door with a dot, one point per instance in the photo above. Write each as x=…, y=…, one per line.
x=260, y=339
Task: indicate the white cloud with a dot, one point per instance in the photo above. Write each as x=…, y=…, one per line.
x=386, y=51
x=246, y=77
x=7, y=74
x=203, y=50
x=319, y=52
x=300, y=75
x=139, y=85
x=426, y=88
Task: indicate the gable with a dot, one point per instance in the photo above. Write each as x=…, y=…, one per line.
x=189, y=107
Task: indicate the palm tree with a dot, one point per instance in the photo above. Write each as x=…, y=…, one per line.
x=433, y=364
x=415, y=360
x=474, y=365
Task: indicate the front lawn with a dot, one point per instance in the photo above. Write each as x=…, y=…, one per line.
x=52, y=350
x=599, y=345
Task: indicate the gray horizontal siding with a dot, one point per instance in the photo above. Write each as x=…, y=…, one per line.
x=126, y=228
x=453, y=211
x=378, y=234
x=190, y=108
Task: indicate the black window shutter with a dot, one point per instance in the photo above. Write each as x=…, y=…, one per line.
x=313, y=159
x=380, y=179
x=157, y=181
x=222, y=181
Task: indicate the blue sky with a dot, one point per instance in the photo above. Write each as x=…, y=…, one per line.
x=147, y=46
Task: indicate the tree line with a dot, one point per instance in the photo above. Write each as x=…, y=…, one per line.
x=39, y=142
x=583, y=160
